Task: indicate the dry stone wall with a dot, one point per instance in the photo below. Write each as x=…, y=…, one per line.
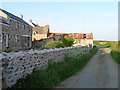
x=18, y=65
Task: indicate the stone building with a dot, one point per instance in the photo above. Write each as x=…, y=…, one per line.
x=81, y=39
x=15, y=32
x=39, y=32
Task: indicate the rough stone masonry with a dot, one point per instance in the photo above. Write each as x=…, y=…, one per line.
x=18, y=65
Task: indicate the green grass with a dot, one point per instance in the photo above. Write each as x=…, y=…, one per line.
x=65, y=42
x=115, y=53
x=56, y=72
x=114, y=45
x=101, y=43
x=55, y=44
x=116, y=56
x=10, y=51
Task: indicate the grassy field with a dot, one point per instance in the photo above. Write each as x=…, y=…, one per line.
x=114, y=45
x=115, y=51
x=57, y=72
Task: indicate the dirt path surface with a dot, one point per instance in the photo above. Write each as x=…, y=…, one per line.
x=100, y=72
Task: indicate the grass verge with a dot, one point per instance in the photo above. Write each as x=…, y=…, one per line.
x=56, y=72
x=116, y=56
x=115, y=53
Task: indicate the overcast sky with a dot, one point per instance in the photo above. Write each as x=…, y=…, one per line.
x=99, y=18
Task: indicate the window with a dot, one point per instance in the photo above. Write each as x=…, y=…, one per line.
x=30, y=28
x=34, y=32
x=17, y=38
x=24, y=27
x=0, y=37
x=84, y=35
x=7, y=40
x=10, y=20
x=17, y=24
x=3, y=36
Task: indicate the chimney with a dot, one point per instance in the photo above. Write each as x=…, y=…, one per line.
x=30, y=20
x=47, y=26
x=20, y=16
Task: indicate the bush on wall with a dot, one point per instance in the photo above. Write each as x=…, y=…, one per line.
x=55, y=44
x=67, y=41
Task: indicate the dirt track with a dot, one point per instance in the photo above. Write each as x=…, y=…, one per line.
x=100, y=72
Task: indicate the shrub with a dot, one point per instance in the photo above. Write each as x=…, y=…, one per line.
x=67, y=41
x=76, y=54
x=55, y=44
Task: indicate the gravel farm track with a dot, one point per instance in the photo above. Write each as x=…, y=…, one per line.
x=100, y=72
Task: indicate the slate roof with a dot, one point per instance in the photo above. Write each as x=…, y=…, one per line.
x=14, y=17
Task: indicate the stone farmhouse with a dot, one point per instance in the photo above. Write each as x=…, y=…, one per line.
x=15, y=32
x=39, y=33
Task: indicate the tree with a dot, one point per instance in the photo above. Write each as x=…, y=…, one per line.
x=55, y=44
x=67, y=41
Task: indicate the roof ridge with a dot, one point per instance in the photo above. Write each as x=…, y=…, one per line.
x=13, y=16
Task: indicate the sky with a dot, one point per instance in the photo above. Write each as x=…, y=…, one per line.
x=99, y=18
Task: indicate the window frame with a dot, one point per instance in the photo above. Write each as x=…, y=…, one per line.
x=7, y=41
x=85, y=36
x=23, y=26
x=17, y=38
x=17, y=25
